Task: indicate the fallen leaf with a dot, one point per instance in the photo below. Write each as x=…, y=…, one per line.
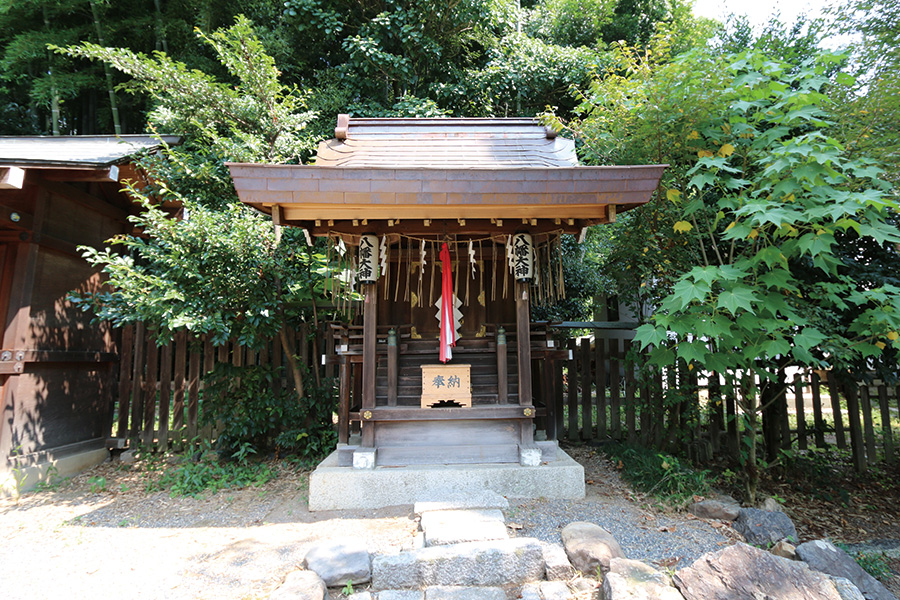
x=514, y=526
x=666, y=528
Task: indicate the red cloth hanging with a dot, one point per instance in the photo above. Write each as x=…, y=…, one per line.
x=448, y=332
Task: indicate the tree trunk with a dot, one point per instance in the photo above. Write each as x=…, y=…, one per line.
x=161, y=42
x=291, y=358
x=751, y=468
x=54, y=91
x=114, y=106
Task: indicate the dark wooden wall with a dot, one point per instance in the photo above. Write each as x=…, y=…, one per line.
x=58, y=379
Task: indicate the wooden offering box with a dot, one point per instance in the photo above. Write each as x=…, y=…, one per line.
x=446, y=383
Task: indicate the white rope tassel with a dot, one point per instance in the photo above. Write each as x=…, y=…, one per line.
x=472, y=257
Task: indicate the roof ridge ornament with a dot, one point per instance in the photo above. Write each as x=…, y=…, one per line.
x=343, y=127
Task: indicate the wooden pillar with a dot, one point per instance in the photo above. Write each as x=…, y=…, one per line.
x=523, y=339
x=393, y=367
x=502, y=370
x=344, y=403
x=370, y=333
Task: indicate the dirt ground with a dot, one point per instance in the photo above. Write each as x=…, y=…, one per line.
x=81, y=539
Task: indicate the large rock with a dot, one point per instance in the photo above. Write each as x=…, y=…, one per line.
x=742, y=572
x=634, y=580
x=589, y=546
x=824, y=556
x=445, y=527
x=556, y=563
x=764, y=528
x=300, y=585
x=340, y=562
x=486, y=564
x=715, y=509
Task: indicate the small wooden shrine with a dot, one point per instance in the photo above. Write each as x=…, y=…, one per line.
x=448, y=230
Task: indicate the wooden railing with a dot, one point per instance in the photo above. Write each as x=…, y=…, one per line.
x=607, y=393
x=160, y=389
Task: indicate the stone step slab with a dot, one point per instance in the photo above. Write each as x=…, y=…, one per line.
x=482, y=564
x=464, y=593
x=400, y=595
x=476, y=500
x=445, y=527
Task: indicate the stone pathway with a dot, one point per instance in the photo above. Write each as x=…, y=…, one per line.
x=464, y=552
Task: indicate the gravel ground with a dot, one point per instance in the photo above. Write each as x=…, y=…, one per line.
x=77, y=543
x=663, y=538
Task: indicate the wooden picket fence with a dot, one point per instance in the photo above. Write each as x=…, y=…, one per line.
x=608, y=394
x=160, y=389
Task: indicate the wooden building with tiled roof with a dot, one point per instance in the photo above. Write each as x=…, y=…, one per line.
x=391, y=195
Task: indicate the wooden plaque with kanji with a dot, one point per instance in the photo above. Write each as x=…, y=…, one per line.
x=446, y=385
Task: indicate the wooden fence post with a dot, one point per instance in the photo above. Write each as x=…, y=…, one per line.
x=615, y=378
x=165, y=387
x=801, y=412
x=600, y=383
x=815, y=384
x=837, y=415
x=587, y=424
x=856, y=438
x=125, y=357
x=630, y=424
x=572, y=392
x=886, y=433
x=150, y=380
x=868, y=426
x=137, y=374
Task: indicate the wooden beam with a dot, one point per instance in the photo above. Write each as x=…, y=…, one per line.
x=105, y=174
x=16, y=219
x=12, y=178
x=437, y=228
x=83, y=198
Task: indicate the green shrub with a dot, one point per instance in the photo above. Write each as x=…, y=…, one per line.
x=661, y=475
x=257, y=419
x=207, y=472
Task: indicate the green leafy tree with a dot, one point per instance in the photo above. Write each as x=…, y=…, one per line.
x=221, y=269
x=768, y=199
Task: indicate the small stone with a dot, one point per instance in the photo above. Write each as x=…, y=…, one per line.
x=634, y=580
x=555, y=590
x=300, y=585
x=340, y=562
x=127, y=457
x=584, y=585
x=556, y=563
x=401, y=595
x=464, y=593
x=715, y=509
x=764, y=528
x=531, y=591
x=360, y=596
x=824, y=556
x=771, y=505
x=784, y=550
x=589, y=546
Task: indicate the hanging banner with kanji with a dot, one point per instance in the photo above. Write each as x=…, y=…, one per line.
x=446, y=384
